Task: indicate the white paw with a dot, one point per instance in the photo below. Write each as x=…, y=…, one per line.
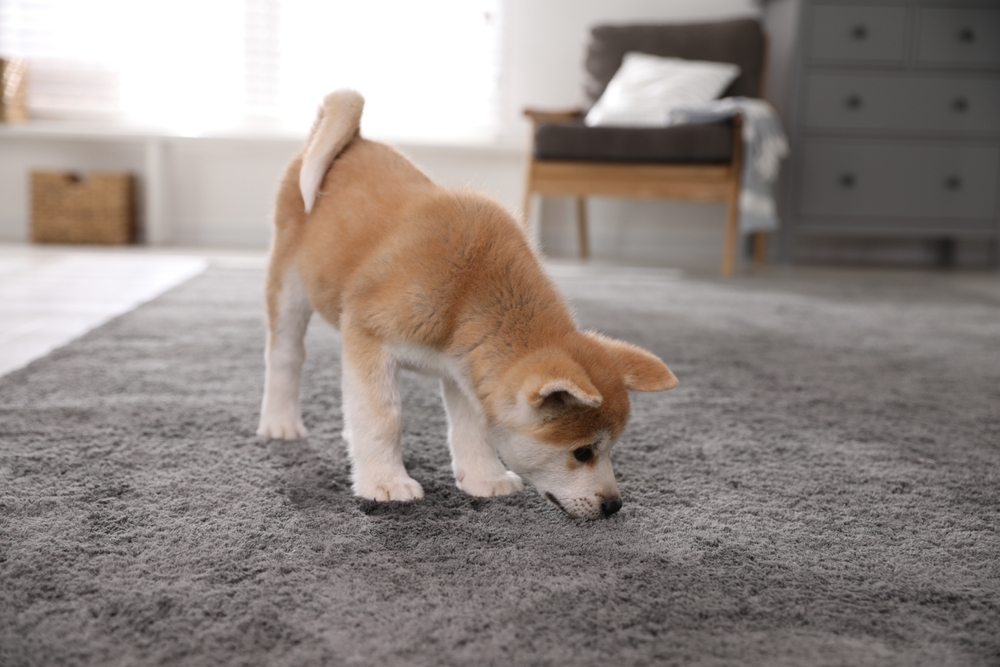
x=493, y=486
x=402, y=488
x=282, y=427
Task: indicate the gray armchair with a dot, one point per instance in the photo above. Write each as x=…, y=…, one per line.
x=701, y=162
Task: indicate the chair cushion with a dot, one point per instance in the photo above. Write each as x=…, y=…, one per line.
x=740, y=42
x=572, y=140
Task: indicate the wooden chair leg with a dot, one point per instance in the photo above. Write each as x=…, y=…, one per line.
x=759, y=249
x=581, y=226
x=526, y=203
x=733, y=201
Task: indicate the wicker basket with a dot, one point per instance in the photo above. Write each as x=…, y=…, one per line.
x=13, y=90
x=68, y=209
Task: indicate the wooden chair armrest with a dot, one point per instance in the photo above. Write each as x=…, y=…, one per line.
x=537, y=115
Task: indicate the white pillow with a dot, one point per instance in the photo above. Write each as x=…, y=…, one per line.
x=645, y=88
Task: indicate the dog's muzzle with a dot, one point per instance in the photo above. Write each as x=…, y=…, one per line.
x=608, y=507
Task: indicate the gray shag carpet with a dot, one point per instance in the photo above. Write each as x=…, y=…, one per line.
x=822, y=489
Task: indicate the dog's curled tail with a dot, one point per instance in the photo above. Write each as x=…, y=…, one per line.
x=336, y=124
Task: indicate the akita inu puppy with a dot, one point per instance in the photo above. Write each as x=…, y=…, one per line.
x=442, y=282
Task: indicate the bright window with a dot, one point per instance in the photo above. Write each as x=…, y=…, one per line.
x=428, y=68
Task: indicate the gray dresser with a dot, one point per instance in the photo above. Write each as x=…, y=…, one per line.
x=893, y=111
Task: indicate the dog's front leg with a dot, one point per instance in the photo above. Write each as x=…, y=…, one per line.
x=373, y=419
x=478, y=469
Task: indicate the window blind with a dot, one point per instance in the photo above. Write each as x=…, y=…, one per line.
x=428, y=69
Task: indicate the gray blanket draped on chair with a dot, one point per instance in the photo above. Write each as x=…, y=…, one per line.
x=764, y=145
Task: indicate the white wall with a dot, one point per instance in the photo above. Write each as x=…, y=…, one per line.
x=218, y=192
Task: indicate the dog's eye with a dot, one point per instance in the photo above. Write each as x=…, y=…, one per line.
x=583, y=454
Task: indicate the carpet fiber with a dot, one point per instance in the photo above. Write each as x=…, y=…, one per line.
x=822, y=489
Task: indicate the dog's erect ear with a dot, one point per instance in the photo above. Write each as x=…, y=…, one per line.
x=553, y=380
x=641, y=370
x=564, y=392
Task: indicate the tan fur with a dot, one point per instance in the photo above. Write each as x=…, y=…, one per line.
x=393, y=259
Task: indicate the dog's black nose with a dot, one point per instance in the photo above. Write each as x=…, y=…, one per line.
x=609, y=507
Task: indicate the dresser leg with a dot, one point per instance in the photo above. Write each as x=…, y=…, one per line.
x=946, y=253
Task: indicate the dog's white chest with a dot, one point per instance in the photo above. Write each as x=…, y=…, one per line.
x=427, y=361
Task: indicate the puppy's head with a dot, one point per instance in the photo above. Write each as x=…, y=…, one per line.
x=560, y=411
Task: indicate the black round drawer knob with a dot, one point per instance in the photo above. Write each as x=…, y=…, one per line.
x=953, y=183
x=854, y=102
x=966, y=35
x=859, y=31
x=847, y=180
x=960, y=104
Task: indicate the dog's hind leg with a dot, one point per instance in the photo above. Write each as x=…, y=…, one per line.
x=288, y=313
x=373, y=418
x=478, y=470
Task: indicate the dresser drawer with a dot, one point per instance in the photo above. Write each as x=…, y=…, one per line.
x=959, y=36
x=899, y=180
x=851, y=33
x=901, y=102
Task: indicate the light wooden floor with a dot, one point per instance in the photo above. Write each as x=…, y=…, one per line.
x=50, y=295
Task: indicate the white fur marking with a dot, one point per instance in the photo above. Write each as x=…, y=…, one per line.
x=373, y=419
x=575, y=392
x=478, y=469
x=280, y=415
